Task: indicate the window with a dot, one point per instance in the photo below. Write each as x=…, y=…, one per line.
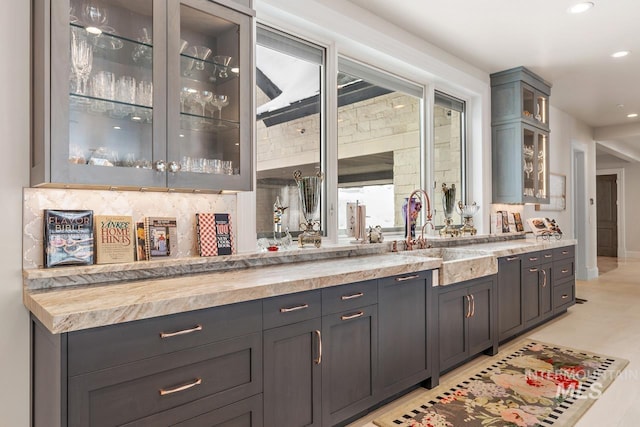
x=379, y=144
x=289, y=80
x=449, y=153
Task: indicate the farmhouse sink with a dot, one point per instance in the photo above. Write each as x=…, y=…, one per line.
x=459, y=264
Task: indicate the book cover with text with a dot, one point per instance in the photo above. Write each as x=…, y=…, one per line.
x=68, y=237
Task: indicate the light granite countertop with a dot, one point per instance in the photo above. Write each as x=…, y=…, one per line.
x=76, y=298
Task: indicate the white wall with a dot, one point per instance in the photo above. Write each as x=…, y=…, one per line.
x=14, y=175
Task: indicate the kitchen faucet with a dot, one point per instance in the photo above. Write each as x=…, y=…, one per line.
x=421, y=242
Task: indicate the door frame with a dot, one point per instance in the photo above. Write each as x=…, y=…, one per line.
x=580, y=209
x=619, y=172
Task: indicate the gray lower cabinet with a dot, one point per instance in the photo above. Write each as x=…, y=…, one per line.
x=564, y=279
x=466, y=321
x=166, y=370
x=510, y=321
x=404, y=305
x=537, y=289
x=349, y=364
x=292, y=360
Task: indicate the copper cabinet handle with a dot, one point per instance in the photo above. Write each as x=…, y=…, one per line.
x=565, y=252
x=402, y=279
x=352, y=316
x=468, y=314
x=473, y=306
x=534, y=269
x=565, y=296
x=548, y=256
x=565, y=270
x=544, y=282
x=319, y=359
x=512, y=258
x=352, y=296
x=296, y=308
x=535, y=258
x=196, y=328
x=166, y=391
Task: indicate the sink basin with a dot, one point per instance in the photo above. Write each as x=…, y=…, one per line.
x=459, y=264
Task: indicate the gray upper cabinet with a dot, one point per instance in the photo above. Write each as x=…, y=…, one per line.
x=151, y=94
x=520, y=137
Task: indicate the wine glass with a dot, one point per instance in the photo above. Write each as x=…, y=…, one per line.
x=81, y=62
x=185, y=94
x=199, y=52
x=220, y=101
x=94, y=16
x=203, y=98
x=222, y=65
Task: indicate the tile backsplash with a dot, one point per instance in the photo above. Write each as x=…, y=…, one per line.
x=183, y=206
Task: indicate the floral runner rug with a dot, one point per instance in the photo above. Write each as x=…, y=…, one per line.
x=529, y=383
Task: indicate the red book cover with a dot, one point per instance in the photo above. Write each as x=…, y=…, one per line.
x=214, y=234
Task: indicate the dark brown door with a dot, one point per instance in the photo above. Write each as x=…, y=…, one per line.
x=607, y=211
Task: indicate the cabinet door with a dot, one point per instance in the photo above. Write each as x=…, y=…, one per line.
x=531, y=295
x=546, y=291
x=349, y=363
x=509, y=297
x=542, y=167
x=292, y=361
x=402, y=331
x=209, y=96
x=454, y=307
x=481, y=323
x=105, y=108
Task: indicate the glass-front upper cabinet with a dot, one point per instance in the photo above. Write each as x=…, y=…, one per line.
x=534, y=164
x=142, y=94
x=535, y=106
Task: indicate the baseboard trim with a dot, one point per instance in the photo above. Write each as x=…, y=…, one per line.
x=632, y=254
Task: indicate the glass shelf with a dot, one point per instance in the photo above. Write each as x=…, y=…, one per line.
x=111, y=108
x=197, y=122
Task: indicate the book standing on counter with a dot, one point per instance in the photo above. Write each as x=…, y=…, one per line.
x=68, y=237
x=141, y=254
x=214, y=234
x=161, y=237
x=114, y=239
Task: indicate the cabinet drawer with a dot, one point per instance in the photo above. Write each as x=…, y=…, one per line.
x=109, y=346
x=564, y=252
x=223, y=373
x=287, y=309
x=347, y=297
x=563, y=296
x=531, y=258
x=562, y=271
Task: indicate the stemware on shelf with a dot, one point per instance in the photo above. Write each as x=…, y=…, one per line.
x=222, y=66
x=199, y=52
x=203, y=98
x=94, y=16
x=81, y=62
x=220, y=101
x=143, y=52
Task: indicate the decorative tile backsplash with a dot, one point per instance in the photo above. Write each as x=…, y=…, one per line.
x=183, y=206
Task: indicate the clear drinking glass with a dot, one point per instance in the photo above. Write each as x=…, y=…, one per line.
x=81, y=62
x=222, y=65
x=220, y=101
x=144, y=94
x=102, y=87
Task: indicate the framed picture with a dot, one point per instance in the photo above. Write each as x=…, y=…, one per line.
x=557, y=193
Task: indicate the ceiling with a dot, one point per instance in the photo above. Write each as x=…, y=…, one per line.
x=571, y=51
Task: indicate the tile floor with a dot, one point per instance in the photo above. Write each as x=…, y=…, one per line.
x=608, y=323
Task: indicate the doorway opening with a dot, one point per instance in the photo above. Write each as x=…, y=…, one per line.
x=610, y=224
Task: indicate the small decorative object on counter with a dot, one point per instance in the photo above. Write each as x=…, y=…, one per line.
x=374, y=235
x=414, y=210
x=68, y=237
x=467, y=212
x=448, y=204
x=309, y=192
x=545, y=228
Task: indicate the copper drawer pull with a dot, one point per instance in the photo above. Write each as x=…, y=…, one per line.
x=167, y=391
x=565, y=296
x=512, y=258
x=544, y=282
x=352, y=316
x=532, y=270
x=182, y=332
x=402, y=279
x=319, y=359
x=548, y=256
x=473, y=306
x=348, y=297
x=296, y=308
x=566, y=270
x=468, y=314
x=535, y=258
x=565, y=252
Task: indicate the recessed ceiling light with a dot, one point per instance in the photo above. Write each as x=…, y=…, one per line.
x=620, y=105
x=117, y=127
x=632, y=115
x=581, y=7
x=620, y=54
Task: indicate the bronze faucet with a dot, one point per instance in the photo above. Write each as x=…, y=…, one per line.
x=421, y=241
